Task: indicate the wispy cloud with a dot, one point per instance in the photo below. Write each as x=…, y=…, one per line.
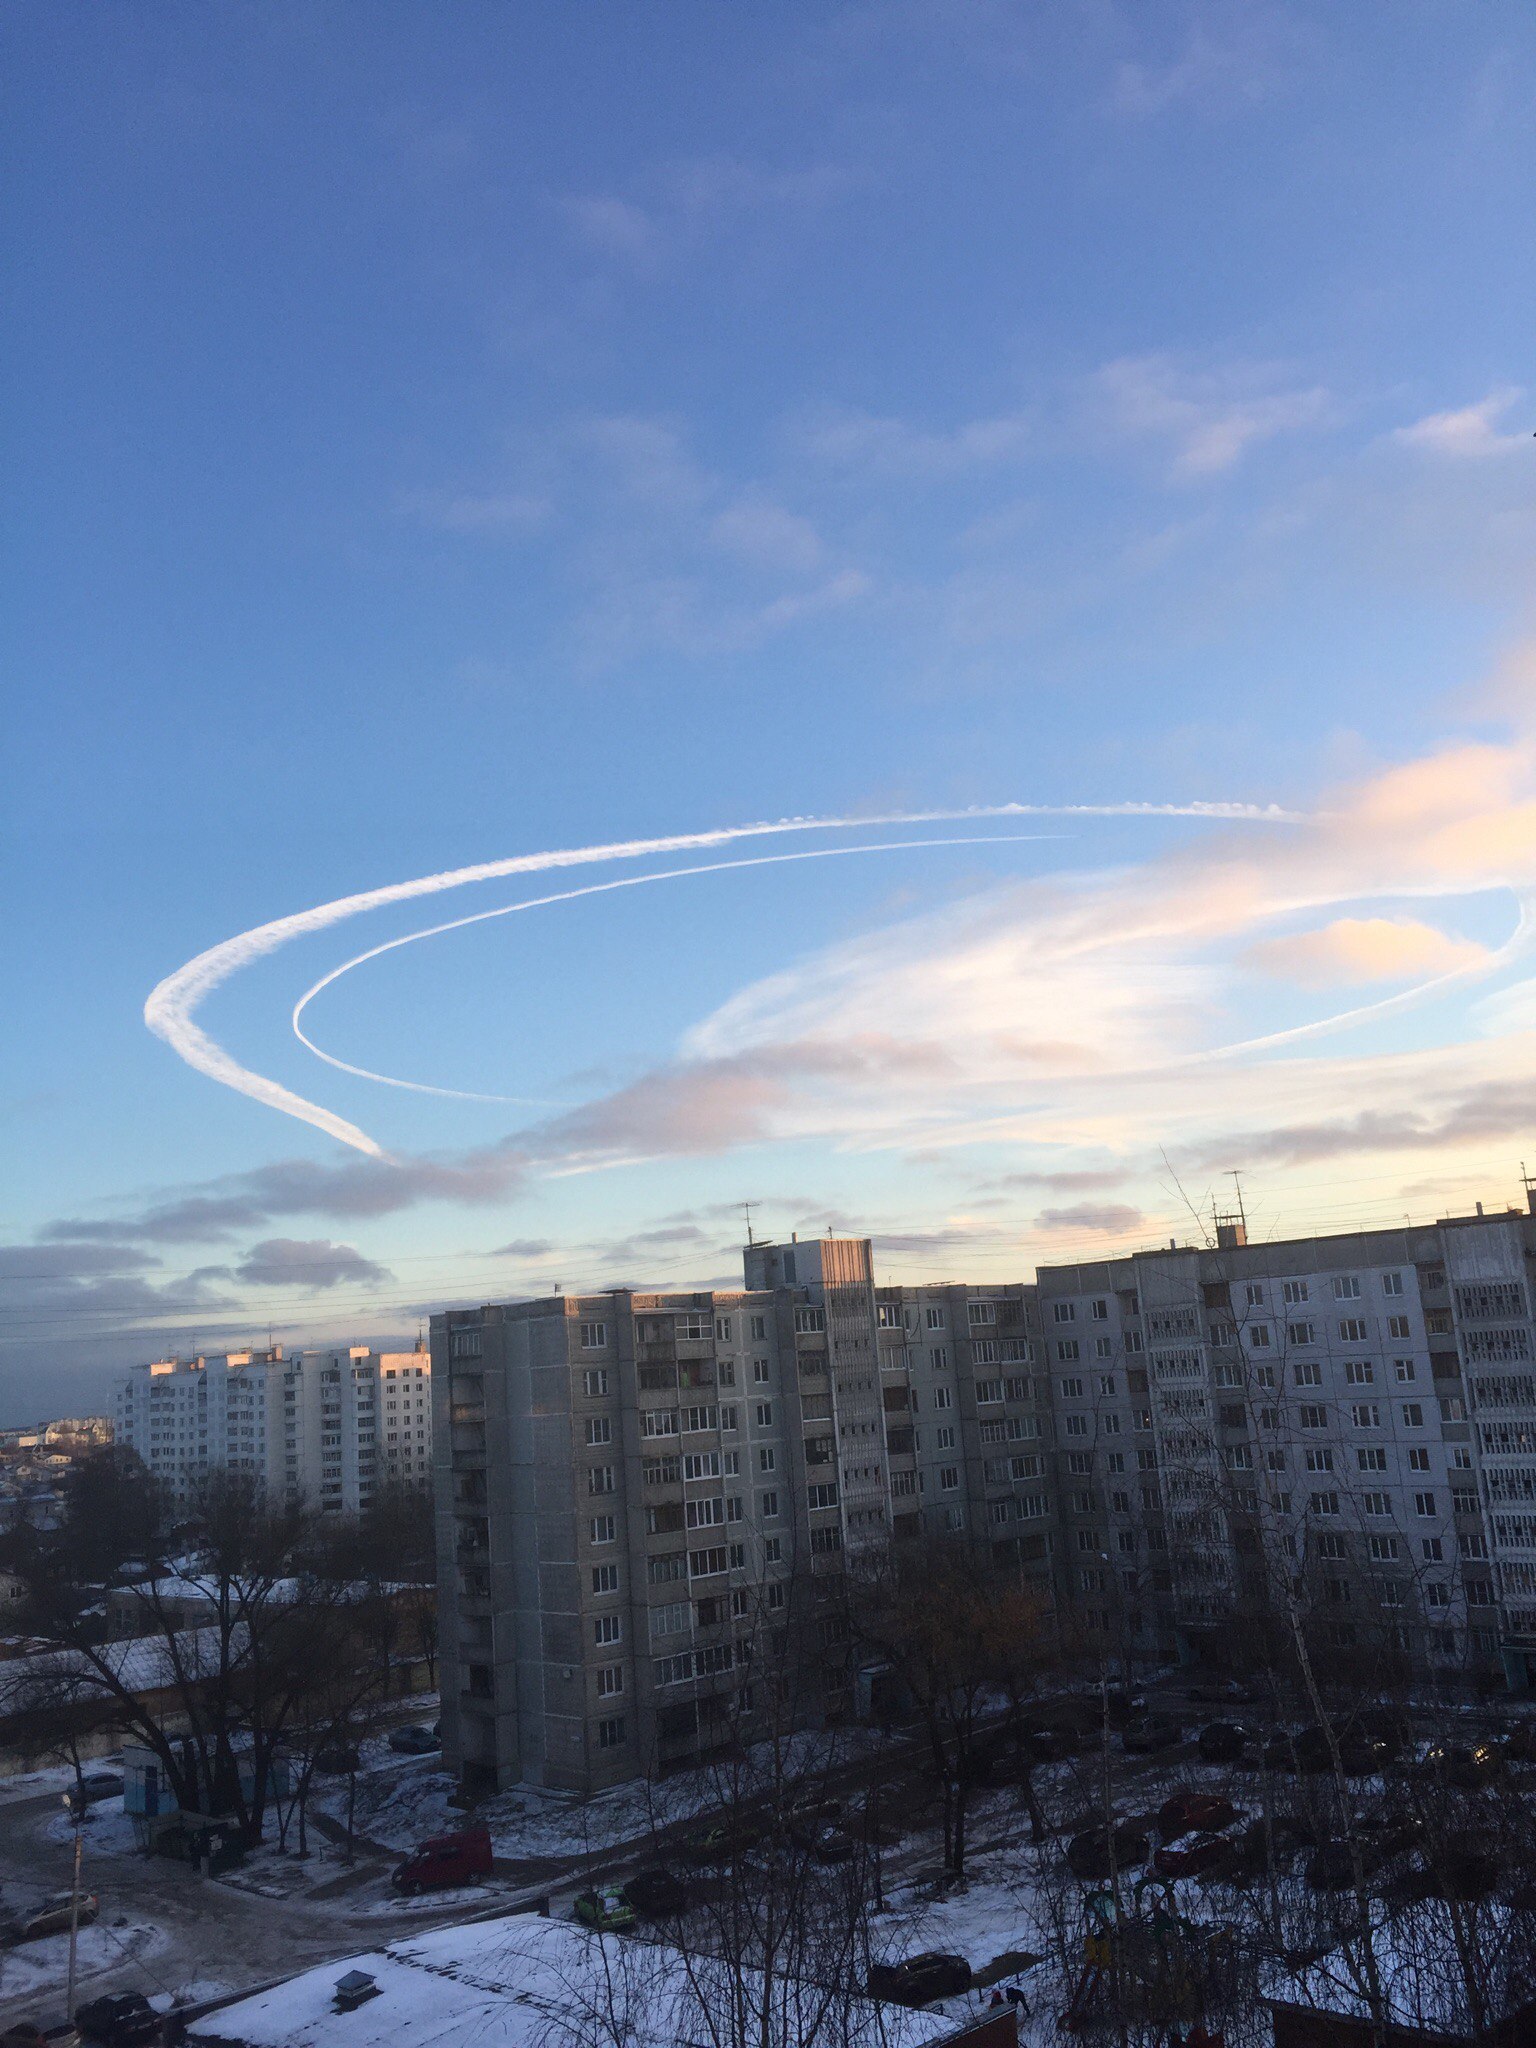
x=307, y=1262
x=672, y=208
x=1471, y=432
x=1108, y=1219
x=1209, y=418
x=874, y=447
x=1359, y=950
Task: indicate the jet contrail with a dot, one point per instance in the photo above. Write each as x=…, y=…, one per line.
x=172, y=1004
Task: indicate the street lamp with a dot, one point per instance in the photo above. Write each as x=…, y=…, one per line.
x=75, y=1806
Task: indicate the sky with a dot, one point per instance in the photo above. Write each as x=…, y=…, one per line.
x=1074, y=460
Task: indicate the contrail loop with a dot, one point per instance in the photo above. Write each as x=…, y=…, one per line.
x=171, y=1006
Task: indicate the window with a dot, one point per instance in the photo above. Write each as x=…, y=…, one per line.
x=1371, y=1461
x=1418, y=1460
x=759, y=1327
x=1433, y=1549
x=935, y=1319
x=603, y=1528
x=763, y=1414
x=1402, y=1369
x=1294, y=1291
x=1065, y=1311
x=1352, y=1330
x=722, y=1329
x=1424, y=1504
x=593, y=1337
x=690, y=1329
x=981, y=1311
x=1258, y=1336
x=705, y=1514
x=1413, y=1415
x=947, y=1438
x=1319, y=1461
x=1306, y=1372
x=989, y=1390
x=888, y=1315
x=600, y=1479
x=607, y=1628
x=1398, y=1326
x=938, y=1358
x=1071, y=1390
x=1359, y=1372
x=1313, y=1416
x=949, y=1478
x=1103, y=1348
x=826, y=1540
x=760, y=1371
x=1377, y=1504
x=767, y=1458
x=696, y=1420
x=599, y=1430
x=1077, y=1425
x=1346, y=1287
x=808, y=1321
x=768, y=1504
x=1391, y=1283
x=656, y=1422
x=773, y=1553
x=1066, y=1349
x=1324, y=1503
x=1365, y=1415
x=1383, y=1549
x=943, y=1397
x=1254, y=1294
x=823, y=1495
x=702, y=1465
x=605, y=1578
x=593, y=1381
x=610, y=1681
x=610, y=1734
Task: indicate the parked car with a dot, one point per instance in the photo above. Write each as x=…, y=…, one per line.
x=1186, y=1812
x=823, y=1839
x=1272, y=1843
x=655, y=1893
x=920, y=1979
x=414, y=1740
x=1466, y=1767
x=336, y=1762
x=1222, y=1742
x=1150, y=1732
x=1194, y=1856
x=1223, y=1692
x=445, y=1860
x=1519, y=1745
x=1331, y=1866
x=1462, y=1868
x=96, y=1785
x=1094, y=1852
x=1279, y=1752
x=722, y=1838
x=605, y=1910
x=123, y=2019
x=53, y=1916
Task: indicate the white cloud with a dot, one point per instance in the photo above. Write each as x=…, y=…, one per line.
x=883, y=447
x=1356, y=950
x=1111, y=1219
x=1210, y=419
x=1469, y=433
x=766, y=535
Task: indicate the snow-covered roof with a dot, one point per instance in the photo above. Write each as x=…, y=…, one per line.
x=1421, y=1982
x=523, y=1982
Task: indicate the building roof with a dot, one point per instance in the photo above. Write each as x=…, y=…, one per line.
x=523, y=1982
x=1422, y=1986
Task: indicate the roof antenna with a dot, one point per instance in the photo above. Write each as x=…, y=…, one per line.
x=746, y=1210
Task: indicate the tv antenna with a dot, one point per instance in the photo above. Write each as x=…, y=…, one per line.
x=746, y=1210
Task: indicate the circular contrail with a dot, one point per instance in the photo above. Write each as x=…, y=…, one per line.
x=171, y=1007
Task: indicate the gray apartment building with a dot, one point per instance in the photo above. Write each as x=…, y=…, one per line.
x=323, y=1427
x=640, y=1495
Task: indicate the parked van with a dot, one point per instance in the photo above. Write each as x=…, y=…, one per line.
x=446, y=1860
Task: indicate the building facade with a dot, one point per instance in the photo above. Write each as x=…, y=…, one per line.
x=639, y=1496
x=323, y=1427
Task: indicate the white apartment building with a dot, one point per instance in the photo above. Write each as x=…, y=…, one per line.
x=323, y=1427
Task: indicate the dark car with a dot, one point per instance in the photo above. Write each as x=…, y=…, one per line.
x=1331, y=1866
x=822, y=1839
x=1274, y=1843
x=446, y=1860
x=336, y=1762
x=1466, y=1767
x=655, y=1893
x=1279, y=1752
x=1097, y=1851
x=721, y=1839
x=1222, y=1692
x=1519, y=1745
x=414, y=1740
x=1150, y=1732
x=1222, y=1742
x=1462, y=1868
x=1197, y=1856
x=122, y=2019
x=1186, y=1812
x=920, y=1979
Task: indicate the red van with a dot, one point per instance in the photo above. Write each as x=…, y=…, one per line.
x=449, y=1859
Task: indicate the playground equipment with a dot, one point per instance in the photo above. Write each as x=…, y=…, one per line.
x=1147, y=1958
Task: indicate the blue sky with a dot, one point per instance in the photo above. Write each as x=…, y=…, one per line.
x=441, y=437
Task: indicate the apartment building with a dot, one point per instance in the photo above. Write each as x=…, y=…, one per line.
x=639, y=1496
x=1362, y=1403
x=642, y=1497
x=325, y=1427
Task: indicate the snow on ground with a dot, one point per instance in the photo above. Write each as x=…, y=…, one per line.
x=35, y=1966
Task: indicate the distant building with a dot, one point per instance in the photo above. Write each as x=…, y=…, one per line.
x=325, y=1427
